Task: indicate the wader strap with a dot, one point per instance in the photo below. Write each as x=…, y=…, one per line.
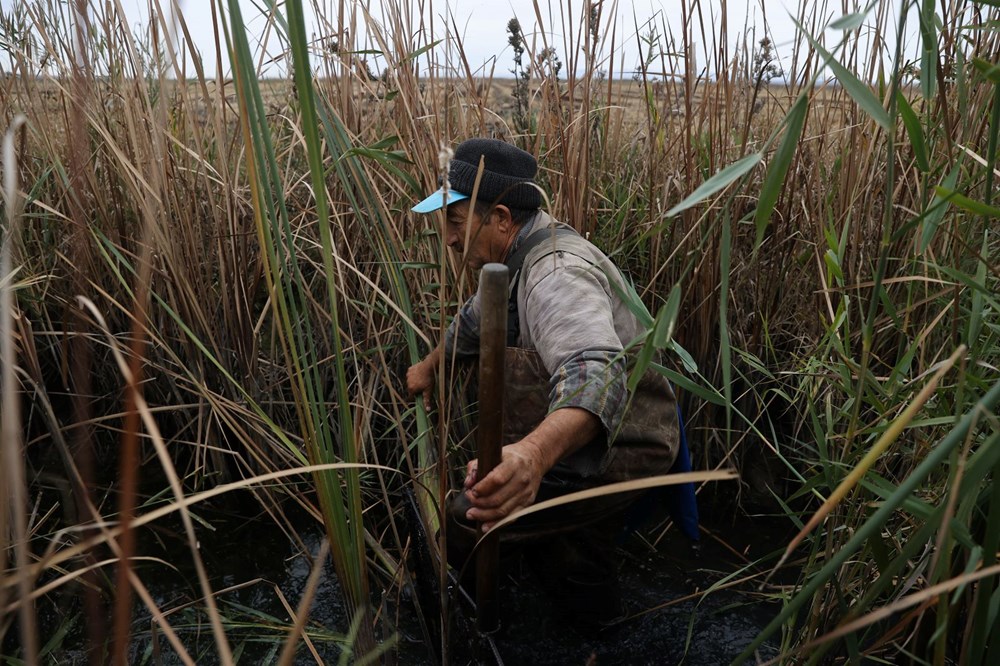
x=514, y=263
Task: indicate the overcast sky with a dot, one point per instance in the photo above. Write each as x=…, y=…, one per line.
x=482, y=24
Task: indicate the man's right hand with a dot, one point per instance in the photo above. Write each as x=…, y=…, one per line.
x=420, y=378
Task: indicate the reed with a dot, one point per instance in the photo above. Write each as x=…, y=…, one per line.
x=808, y=254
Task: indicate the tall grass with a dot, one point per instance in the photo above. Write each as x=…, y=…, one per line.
x=828, y=244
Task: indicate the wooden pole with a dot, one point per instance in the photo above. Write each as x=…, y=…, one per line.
x=493, y=283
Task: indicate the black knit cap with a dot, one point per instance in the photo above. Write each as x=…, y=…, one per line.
x=508, y=174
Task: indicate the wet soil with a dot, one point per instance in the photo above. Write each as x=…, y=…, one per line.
x=254, y=565
x=667, y=620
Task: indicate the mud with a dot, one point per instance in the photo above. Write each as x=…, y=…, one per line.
x=253, y=564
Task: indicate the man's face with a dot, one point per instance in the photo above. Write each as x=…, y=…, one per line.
x=477, y=239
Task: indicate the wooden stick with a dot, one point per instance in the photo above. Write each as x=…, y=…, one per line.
x=493, y=283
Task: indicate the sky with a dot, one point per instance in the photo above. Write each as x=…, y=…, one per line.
x=482, y=23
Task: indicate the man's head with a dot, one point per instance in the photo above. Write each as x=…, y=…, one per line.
x=508, y=177
x=506, y=198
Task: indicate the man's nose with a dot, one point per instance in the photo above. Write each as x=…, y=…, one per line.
x=453, y=240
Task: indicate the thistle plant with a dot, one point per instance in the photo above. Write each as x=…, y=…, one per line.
x=520, y=93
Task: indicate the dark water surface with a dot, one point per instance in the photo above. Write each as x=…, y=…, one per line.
x=253, y=563
x=662, y=626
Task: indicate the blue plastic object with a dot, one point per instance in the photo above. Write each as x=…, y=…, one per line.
x=680, y=500
x=682, y=503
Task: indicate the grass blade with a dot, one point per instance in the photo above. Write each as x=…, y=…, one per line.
x=352, y=536
x=914, y=131
x=621, y=487
x=858, y=91
x=879, y=518
x=341, y=506
x=937, y=210
x=967, y=203
x=716, y=183
x=775, y=178
x=887, y=438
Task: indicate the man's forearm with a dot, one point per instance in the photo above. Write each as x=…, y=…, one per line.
x=513, y=484
x=561, y=433
x=433, y=357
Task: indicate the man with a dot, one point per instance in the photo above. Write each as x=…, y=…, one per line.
x=570, y=422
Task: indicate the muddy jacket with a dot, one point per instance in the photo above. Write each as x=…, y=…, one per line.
x=574, y=332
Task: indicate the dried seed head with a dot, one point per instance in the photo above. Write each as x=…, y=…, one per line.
x=445, y=155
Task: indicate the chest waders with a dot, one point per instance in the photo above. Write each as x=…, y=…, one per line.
x=651, y=438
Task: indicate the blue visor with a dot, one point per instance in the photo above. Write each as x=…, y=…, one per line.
x=437, y=200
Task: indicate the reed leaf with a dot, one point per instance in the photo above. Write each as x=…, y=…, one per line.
x=967, y=203
x=914, y=131
x=860, y=92
x=908, y=601
x=347, y=515
x=929, y=50
x=368, y=204
x=937, y=209
x=716, y=183
x=615, y=488
x=114, y=258
x=887, y=438
x=880, y=517
x=988, y=69
x=771, y=188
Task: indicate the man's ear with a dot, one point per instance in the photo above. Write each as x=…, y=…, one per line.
x=504, y=220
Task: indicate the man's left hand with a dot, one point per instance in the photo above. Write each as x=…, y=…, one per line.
x=511, y=485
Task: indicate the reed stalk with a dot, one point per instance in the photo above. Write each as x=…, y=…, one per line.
x=14, y=532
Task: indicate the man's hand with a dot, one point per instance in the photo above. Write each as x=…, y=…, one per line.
x=420, y=377
x=512, y=485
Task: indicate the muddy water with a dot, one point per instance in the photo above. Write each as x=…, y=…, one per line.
x=663, y=626
x=253, y=564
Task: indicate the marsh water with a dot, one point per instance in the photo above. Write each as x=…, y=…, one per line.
x=667, y=622
x=256, y=569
